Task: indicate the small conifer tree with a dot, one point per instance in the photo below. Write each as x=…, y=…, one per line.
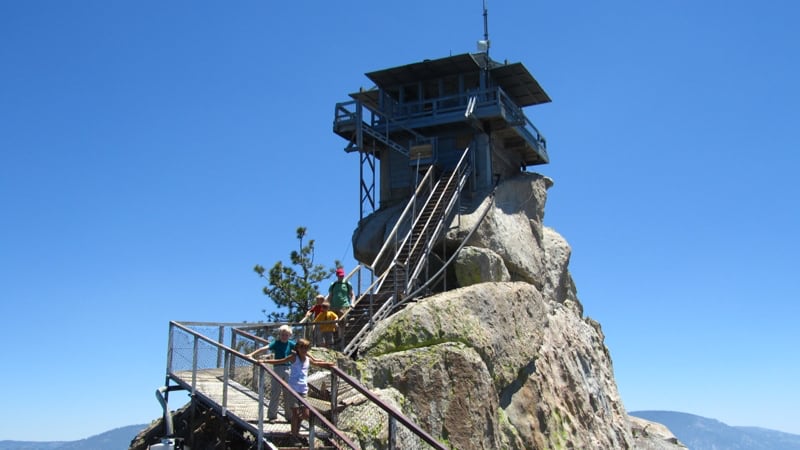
x=293, y=287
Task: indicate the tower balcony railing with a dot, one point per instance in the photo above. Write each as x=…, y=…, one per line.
x=393, y=115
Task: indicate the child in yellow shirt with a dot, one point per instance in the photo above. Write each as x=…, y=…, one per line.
x=327, y=328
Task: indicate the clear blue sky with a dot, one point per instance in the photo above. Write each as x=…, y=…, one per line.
x=152, y=152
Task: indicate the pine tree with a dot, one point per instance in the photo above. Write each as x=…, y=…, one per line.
x=294, y=286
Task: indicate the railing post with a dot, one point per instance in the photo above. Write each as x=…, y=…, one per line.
x=312, y=434
x=234, y=338
x=170, y=339
x=334, y=399
x=194, y=365
x=372, y=306
x=221, y=335
x=260, y=409
x=254, y=376
x=225, y=379
x=392, y=432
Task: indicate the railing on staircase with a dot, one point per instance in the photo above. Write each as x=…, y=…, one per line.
x=370, y=305
x=493, y=99
x=367, y=130
x=409, y=245
x=226, y=380
x=431, y=223
x=363, y=120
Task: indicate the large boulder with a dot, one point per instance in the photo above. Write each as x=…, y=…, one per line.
x=649, y=435
x=512, y=228
x=372, y=232
x=507, y=360
x=477, y=265
x=498, y=357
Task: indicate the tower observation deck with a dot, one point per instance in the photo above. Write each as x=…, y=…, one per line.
x=428, y=113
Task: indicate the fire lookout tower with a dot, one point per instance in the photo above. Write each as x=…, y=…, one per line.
x=431, y=135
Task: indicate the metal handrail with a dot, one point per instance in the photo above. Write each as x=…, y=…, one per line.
x=377, y=120
x=393, y=234
x=382, y=117
x=455, y=104
x=447, y=105
x=300, y=398
x=355, y=384
x=263, y=370
x=393, y=413
x=371, y=289
x=377, y=316
x=438, y=227
x=341, y=112
x=464, y=241
x=459, y=173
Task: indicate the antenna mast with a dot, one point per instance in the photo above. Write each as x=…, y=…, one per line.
x=486, y=28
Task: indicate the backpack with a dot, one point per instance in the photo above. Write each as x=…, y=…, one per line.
x=349, y=287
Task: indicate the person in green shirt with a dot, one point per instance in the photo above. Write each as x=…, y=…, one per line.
x=280, y=348
x=340, y=294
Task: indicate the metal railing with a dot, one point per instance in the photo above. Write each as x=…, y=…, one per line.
x=396, y=114
x=457, y=181
x=192, y=356
x=394, y=417
x=395, y=242
x=381, y=265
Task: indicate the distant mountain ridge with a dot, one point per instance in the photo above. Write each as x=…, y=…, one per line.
x=696, y=432
x=116, y=439
x=701, y=433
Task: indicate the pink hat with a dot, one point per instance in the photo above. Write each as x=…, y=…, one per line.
x=339, y=272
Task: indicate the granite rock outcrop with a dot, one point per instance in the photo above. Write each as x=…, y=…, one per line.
x=506, y=359
x=509, y=352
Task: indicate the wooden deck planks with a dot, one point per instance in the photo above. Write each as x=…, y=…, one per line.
x=242, y=402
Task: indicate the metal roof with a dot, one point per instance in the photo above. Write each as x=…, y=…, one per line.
x=519, y=84
x=424, y=70
x=514, y=78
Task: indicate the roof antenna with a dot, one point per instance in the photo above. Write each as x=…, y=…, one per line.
x=483, y=45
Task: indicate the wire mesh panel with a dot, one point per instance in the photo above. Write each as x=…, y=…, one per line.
x=226, y=379
x=200, y=338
